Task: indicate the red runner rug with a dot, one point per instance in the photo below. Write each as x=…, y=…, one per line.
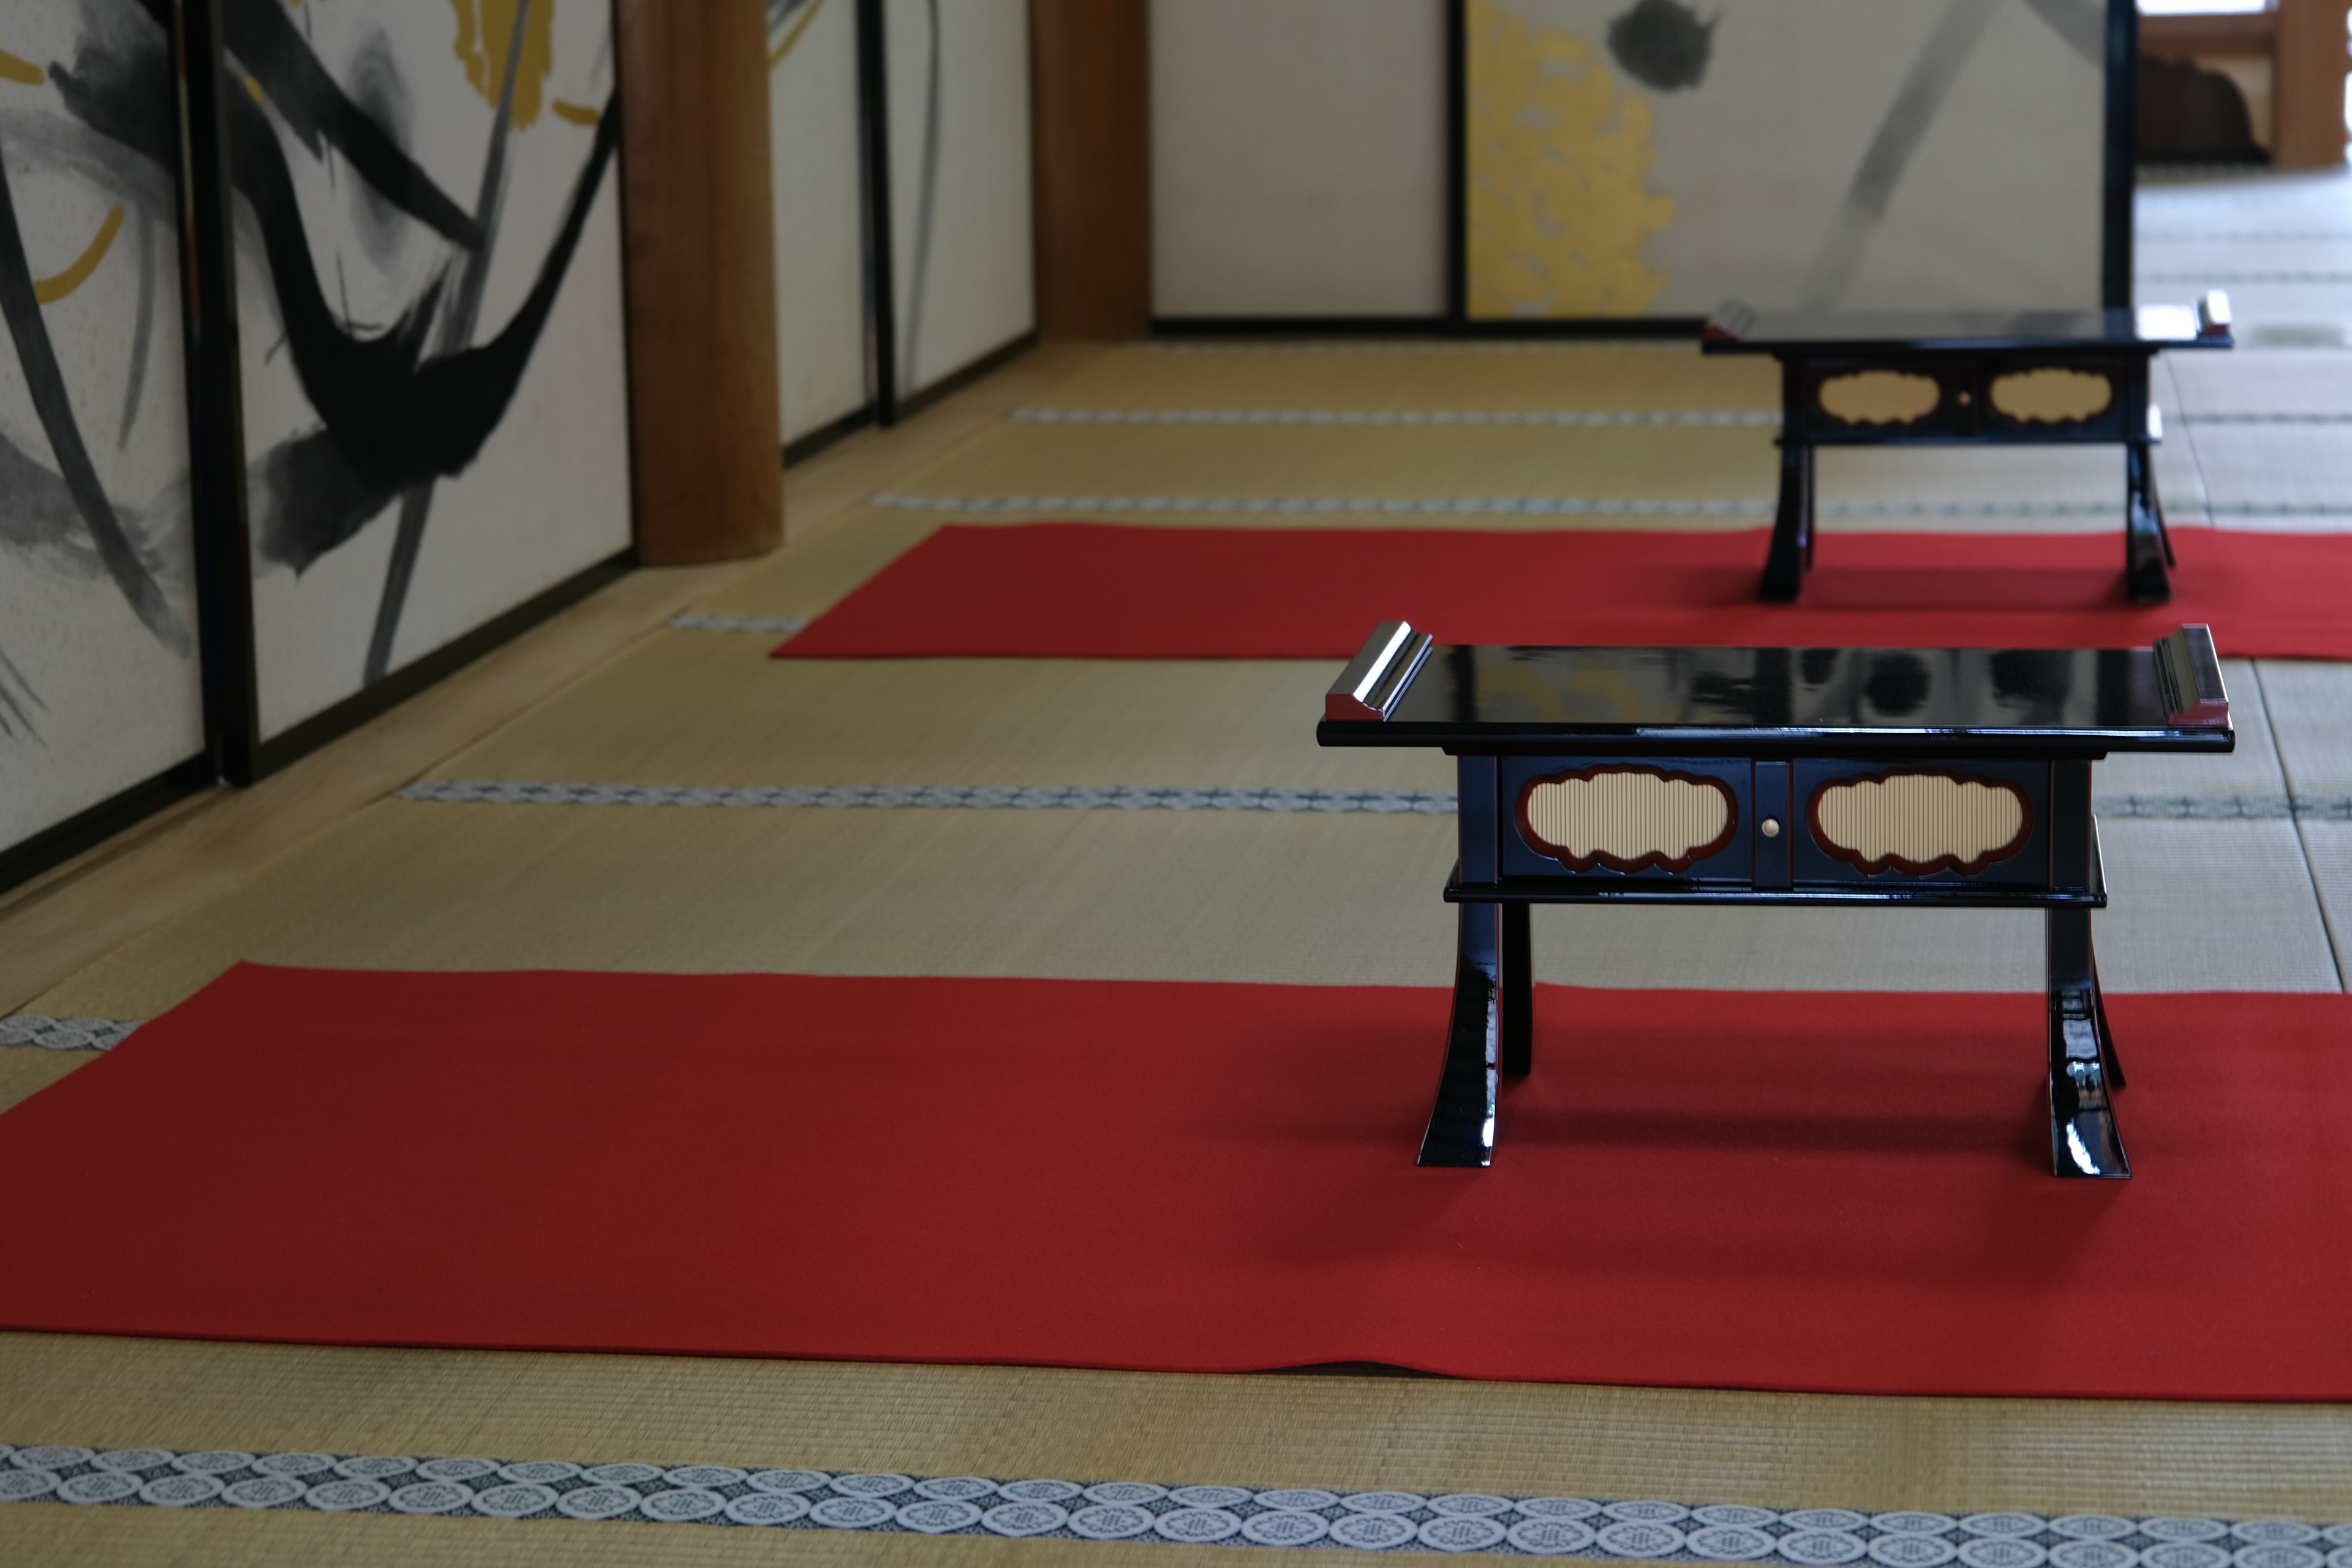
x=1842, y=1192
x=1075, y=590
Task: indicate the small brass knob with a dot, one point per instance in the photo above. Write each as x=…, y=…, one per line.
x=1769, y=827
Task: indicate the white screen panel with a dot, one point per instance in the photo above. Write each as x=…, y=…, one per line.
x=508, y=465
x=1816, y=153
x=1298, y=157
x=820, y=247
x=99, y=681
x=960, y=235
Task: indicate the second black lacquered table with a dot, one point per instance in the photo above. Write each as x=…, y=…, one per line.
x=1937, y=778
x=1969, y=377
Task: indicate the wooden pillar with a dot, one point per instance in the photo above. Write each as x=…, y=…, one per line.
x=700, y=243
x=1091, y=135
x=2307, y=69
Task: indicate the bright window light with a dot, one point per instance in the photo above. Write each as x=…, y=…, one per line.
x=2200, y=7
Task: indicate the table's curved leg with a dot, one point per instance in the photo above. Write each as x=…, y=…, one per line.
x=1791, y=554
x=1462, y=1123
x=2083, y=1138
x=2147, y=547
x=2107, y=1036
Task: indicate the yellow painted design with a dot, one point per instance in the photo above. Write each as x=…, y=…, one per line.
x=1880, y=398
x=253, y=90
x=485, y=32
x=2052, y=397
x=15, y=69
x=776, y=56
x=1558, y=152
x=49, y=291
x=578, y=113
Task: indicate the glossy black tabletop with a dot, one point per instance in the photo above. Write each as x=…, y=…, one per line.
x=1846, y=702
x=1734, y=328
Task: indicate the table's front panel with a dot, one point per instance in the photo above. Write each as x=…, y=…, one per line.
x=1593, y=824
x=1894, y=400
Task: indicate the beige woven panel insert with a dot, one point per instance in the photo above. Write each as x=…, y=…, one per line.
x=1919, y=817
x=1628, y=815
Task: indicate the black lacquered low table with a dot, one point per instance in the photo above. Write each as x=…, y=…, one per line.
x=1965, y=377
x=1924, y=777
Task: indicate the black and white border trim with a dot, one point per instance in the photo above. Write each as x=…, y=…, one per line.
x=784, y=625
x=64, y=1034
x=1517, y=505
x=1078, y=797
x=1137, y=797
x=1394, y=416
x=1494, y=1524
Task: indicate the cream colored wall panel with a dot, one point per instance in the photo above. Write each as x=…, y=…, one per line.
x=98, y=667
x=1298, y=157
x=820, y=211
x=960, y=235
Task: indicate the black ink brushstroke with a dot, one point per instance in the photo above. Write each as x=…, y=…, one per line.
x=307, y=499
x=456, y=332
x=120, y=85
x=1908, y=118
x=46, y=384
x=142, y=334
x=392, y=421
x=1662, y=44
x=2081, y=23
x=262, y=37
x=927, y=203
x=8, y=672
x=400, y=418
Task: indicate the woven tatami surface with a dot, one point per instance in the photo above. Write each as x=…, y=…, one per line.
x=2225, y=875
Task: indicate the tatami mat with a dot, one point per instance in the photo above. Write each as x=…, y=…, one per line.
x=699, y=708
x=2310, y=708
x=1634, y=462
x=2200, y=901
x=1664, y=376
x=1288, y=898
x=1768, y=1450
x=2307, y=384
x=2286, y=467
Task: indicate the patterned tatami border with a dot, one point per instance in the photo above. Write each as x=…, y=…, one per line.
x=1074, y=797
x=1416, y=346
x=1537, y=417
x=780, y=626
x=1568, y=416
x=729, y=1495
x=1551, y=505
x=1139, y=798
x=64, y=1034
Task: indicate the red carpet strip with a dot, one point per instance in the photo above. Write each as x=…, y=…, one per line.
x=1839, y=1192
x=1072, y=590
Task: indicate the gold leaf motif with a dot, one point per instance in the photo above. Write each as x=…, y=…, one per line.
x=1558, y=152
x=484, y=36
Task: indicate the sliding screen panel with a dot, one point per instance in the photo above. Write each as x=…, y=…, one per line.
x=429, y=303
x=1657, y=157
x=99, y=681
x=960, y=236
x=1298, y=158
x=813, y=154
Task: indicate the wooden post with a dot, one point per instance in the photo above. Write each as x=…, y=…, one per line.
x=706, y=434
x=1091, y=135
x=2307, y=71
